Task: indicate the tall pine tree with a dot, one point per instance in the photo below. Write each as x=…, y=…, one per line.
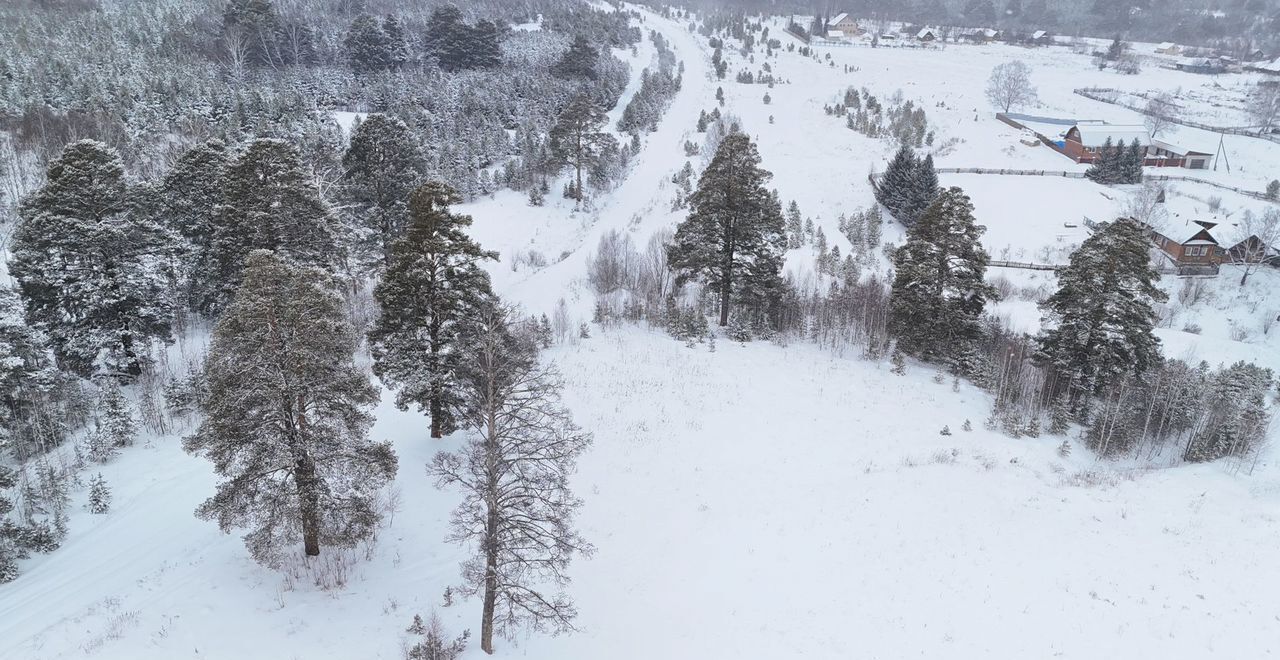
x=90, y=268
x=287, y=416
x=381, y=167
x=1098, y=325
x=578, y=138
x=271, y=204
x=734, y=237
x=434, y=286
x=192, y=197
x=939, y=290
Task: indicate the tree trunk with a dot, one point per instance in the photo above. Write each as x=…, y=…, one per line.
x=309, y=498
x=490, y=583
x=437, y=413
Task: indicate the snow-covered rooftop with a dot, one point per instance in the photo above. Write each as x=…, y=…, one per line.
x=839, y=18
x=1096, y=135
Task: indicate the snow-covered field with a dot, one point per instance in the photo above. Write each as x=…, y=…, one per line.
x=761, y=501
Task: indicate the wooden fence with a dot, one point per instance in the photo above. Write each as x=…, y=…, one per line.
x=1104, y=95
x=1022, y=265
x=1080, y=175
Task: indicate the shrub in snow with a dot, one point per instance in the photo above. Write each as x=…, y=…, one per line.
x=1064, y=449
x=899, y=363
x=432, y=643
x=99, y=495
x=946, y=430
x=967, y=426
x=1273, y=190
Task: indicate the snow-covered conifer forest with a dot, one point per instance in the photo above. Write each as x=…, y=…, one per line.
x=566, y=330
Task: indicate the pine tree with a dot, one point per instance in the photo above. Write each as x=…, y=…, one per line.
x=192, y=197
x=899, y=362
x=733, y=238
x=89, y=267
x=517, y=510
x=433, y=288
x=381, y=167
x=1273, y=190
x=99, y=496
x=271, y=204
x=367, y=47
x=577, y=138
x=486, y=48
x=579, y=62
x=13, y=539
x=397, y=43
x=287, y=416
x=939, y=290
x=1099, y=323
x=448, y=38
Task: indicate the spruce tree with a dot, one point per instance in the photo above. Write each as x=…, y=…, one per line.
x=99, y=496
x=449, y=40
x=1105, y=164
x=192, y=197
x=909, y=185
x=89, y=267
x=1134, y=159
x=433, y=287
x=116, y=424
x=381, y=167
x=287, y=416
x=271, y=204
x=11, y=535
x=939, y=290
x=578, y=138
x=486, y=48
x=1098, y=325
x=734, y=238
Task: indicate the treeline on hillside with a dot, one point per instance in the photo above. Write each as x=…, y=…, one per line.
x=477, y=96
x=1096, y=362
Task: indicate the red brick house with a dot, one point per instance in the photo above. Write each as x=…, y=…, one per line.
x=1085, y=141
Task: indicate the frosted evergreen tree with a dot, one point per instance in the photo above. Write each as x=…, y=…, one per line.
x=578, y=139
x=99, y=496
x=31, y=422
x=734, y=238
x=367, y=46
x=116, y=423
x=397, y=43
x=88, y=268
x=579, y=62
x=433, y=287
x=517, y=509
x=1108, y=166
x=908, y=186
x=433, y=642
x=271, y=204
x=192, y=197
x=1134, y=158
x=1098, y=325
x=939, y=290
x=287, y=416
x=381, y=167
x=1238, y=415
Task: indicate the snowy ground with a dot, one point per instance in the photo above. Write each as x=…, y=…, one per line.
x=757, y=501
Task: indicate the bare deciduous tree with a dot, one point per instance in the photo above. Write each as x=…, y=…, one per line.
x=1159, y=111
x=517, y=509
x=1257, y=238
x=1264, y=106
x=1010, y=86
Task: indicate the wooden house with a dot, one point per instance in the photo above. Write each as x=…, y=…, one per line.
x=1169, y=48
x=1190, y=244
x=1084, y=142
